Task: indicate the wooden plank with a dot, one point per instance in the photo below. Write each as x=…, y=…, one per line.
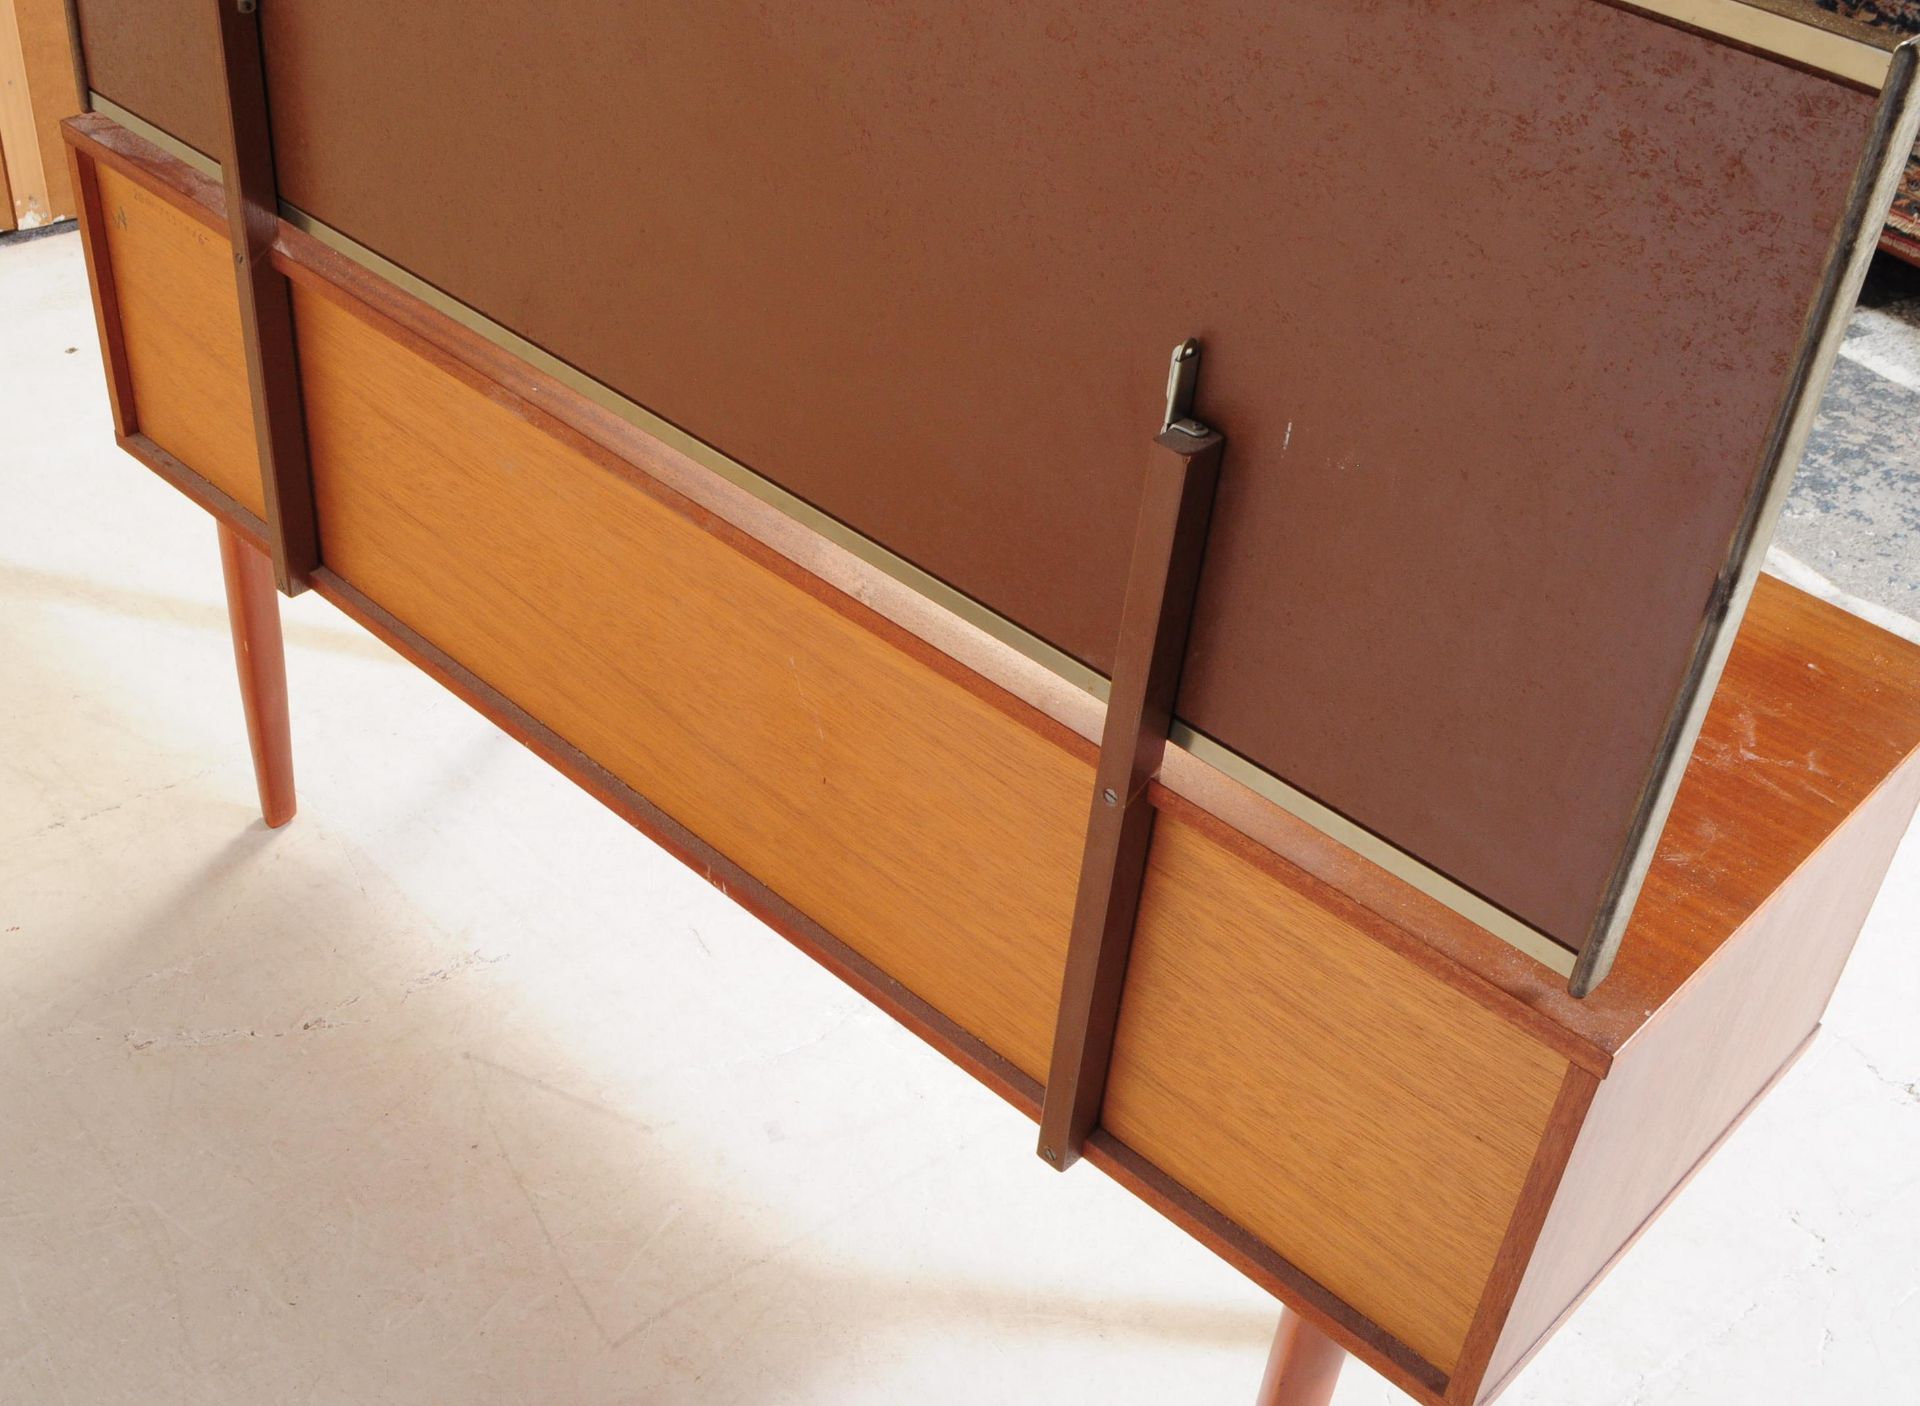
x=1824, y=740
x=1388, y=1149
x=923, y=825
x=173, y=280
x=19, y=139
x=1169, y=541
x=6, y=205
x=84, y=175
x=266, y=303
x=38, y=87
x=1491, y=1386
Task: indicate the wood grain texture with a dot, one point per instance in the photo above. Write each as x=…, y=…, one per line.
x=503, y=387
x=1816, y=710
x=1679, y=1085
x=1152, y=1185
x=1493, y=1385
x=173, y=281
x=1385, y=1145
x=925, y=827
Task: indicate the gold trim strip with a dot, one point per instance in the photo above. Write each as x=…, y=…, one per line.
x=1030, y=647
x=1782, y=36
x=1371, y=847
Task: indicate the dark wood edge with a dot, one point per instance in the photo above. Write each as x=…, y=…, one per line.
x=1705, y=1157
x=106, y=299
x=1163, y=577
x=266, y=303
x=1379, y=1349
x=1523, y=1232
x=1508, y=1007
x=102, y=140
x=215, y=500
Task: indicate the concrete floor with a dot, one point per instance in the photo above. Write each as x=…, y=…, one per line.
x=458, y=1091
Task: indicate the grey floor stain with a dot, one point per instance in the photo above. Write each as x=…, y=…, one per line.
x=1854, y=513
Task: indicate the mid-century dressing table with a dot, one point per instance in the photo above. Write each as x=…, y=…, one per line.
x=1207, y=561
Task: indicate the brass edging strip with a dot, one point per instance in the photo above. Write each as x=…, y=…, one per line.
x=1779, y=35
x=1031, y=647
x=1371, y=847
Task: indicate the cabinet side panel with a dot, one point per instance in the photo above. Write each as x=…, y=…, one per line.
x=1677, y=1087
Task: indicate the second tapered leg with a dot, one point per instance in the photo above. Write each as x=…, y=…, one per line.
x=1303, y=1366
x=253, y=612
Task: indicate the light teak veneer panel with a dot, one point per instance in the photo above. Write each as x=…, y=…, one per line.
x=917, y=822
x=180, y=320
x=1371, y=1123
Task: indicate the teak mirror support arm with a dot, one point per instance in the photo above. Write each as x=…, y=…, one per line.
x=1170, y=539
x=266, y=302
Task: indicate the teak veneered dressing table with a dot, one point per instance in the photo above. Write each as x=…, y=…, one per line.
x=1299, y=977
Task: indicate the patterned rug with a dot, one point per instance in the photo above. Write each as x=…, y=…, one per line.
x=1902, y=234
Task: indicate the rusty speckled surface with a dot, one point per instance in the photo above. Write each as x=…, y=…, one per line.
x=1496, y=308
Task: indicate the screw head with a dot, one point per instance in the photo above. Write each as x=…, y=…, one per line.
x=1050, y=1154
x=1110, y=796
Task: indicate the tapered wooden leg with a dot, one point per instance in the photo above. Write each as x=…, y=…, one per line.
x=253, y=611
x=1303, y=1366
